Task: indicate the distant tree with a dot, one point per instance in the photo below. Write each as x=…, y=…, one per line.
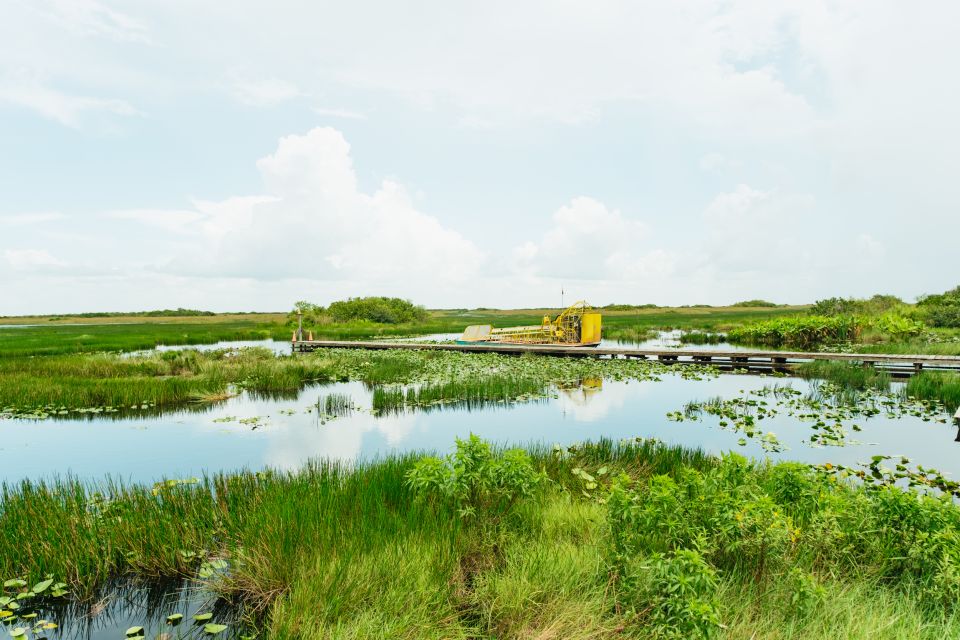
x=312, y=314
x=376, y=309
x=754, y=303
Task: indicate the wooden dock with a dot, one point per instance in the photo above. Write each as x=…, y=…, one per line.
x=784, y=361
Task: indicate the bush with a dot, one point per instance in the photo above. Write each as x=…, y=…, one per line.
x=674, y=594
x=754, y=303
x=376, y=309
x=879, y=303
x=477, y=482
x=942, y=309
x=799, y=332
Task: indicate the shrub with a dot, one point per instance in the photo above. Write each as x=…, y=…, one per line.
x=674, y=594
x=800, y=332
x=376, y=309
x=475, y=480
x=754, y=303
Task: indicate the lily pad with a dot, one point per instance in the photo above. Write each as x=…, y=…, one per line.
x=213, y=628
x=40, y=587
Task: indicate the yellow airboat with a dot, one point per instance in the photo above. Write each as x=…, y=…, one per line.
x=579, y=325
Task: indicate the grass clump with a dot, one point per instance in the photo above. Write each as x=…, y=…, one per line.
x=937, y=386
x=851, y=376
x=467, y=393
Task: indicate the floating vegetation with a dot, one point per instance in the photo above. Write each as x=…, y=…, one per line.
x=830, y=409
x=22, y=607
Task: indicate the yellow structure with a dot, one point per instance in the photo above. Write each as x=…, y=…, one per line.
x=577, y=326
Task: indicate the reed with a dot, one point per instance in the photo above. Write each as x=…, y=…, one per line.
x=935, y=386
x=466, y=393
x=852, y=376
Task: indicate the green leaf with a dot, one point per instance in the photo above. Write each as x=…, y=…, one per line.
x=40, y=587
x=19, y=632
x=214, y=629
x=134, y=632
x=203, y=617
x=15, y=582
x=174, y=618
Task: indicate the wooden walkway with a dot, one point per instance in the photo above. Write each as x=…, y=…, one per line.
x=785, y=361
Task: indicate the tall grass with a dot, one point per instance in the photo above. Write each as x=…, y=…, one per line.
x=853, y=376
x=938, y=386
x=332, y=551
x=159, y=379
x=467, y=393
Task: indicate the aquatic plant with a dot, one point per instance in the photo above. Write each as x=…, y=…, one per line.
x=938, y=386
x=465, y=393
x=799, y=332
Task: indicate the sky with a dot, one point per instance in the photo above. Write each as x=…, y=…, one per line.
x=173, y=153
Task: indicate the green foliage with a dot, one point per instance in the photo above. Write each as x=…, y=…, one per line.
x=628, y=307
x=942, y=309
x=799, y=332
x=754, y=303
x=464, y=393
x=938, y=386
x=310, y=314
x=376, y=309
x=848, y=375
x=674, y=593
x=476, y=481
x=878, y=304
x=806, y=592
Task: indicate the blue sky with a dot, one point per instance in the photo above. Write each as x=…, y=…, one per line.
x=162, y=154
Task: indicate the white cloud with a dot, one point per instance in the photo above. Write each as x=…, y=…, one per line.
x=588, y=241
x=316, y=223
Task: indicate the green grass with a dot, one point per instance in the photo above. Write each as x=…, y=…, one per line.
x=853, y=376
x=464, y=393
x=937, y=386
x=159, y=379
x=336, y=552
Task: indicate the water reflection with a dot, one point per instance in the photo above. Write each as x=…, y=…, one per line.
x=134, y=603
x=253, y=431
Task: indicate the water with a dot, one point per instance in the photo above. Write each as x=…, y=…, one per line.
x=285, y=433
x=127, y=604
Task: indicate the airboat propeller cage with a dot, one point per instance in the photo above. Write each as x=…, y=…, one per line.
x=578, y=325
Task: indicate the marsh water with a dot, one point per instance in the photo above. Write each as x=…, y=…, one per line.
x=252, y=432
